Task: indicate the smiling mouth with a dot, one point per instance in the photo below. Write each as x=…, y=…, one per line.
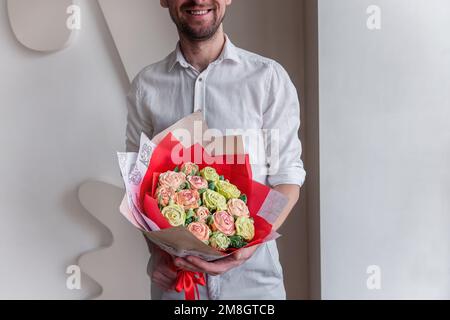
x=199, y=12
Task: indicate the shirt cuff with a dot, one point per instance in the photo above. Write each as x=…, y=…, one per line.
x=294, y=176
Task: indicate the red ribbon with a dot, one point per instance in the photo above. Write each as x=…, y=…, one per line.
x=189, y=281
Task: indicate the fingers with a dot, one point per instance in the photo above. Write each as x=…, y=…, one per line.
x=170, y=269
x=245, y=253
x=213, y=268
x=186, y=265
x=164, y=275
x=163, y=281
x=196, y=264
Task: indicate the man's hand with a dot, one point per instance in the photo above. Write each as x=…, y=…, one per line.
x=163, y=272
x=218, y=267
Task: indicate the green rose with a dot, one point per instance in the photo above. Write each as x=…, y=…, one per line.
x=245, y=228
x=213, y=200
x=209, y=174
x=175, y=215
x=228, y=190
x=219, y=241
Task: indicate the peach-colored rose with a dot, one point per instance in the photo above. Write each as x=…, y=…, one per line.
x=172, y=179
x=223, y=222
x=189, y=199
x=197, y=182
x=200, y=230
x=164, y=195
x=202, y=213
x=189, y=168
x=238, y=208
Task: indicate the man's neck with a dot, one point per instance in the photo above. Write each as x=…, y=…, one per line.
x=201, y=53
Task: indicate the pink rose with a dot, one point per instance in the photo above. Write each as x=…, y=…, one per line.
x=223, y=222
x=238, y=208
x=202, y=213
x=164, y=195
x=189, y=168
x=172, y=179
x=200, y=230
x=197, y=182
x=188, y=199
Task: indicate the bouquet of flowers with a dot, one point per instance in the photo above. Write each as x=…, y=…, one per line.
x=213, y=209
x=190, y=201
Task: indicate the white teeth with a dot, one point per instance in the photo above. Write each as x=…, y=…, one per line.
x=198, y=12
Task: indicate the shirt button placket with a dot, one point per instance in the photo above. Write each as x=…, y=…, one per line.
x=199, y=95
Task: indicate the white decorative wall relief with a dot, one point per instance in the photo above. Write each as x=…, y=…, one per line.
x=142, y=31
x=52, y=25
x=120, y=266
x=71, y=105
x=44, y=25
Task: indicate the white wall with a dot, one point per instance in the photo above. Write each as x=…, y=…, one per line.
x=30, y=20
x=385, y=148
x=142, y=30
x=62, y=119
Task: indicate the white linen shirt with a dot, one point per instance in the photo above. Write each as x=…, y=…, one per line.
x=239, y=91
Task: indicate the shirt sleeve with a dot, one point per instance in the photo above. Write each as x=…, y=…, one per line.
x=136, y=121
x=281, y=125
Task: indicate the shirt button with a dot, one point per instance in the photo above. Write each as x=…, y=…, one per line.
x=200, y=79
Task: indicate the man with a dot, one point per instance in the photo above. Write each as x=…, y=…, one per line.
x=235, y=89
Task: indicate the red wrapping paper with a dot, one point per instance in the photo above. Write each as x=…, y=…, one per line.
x=235, y=168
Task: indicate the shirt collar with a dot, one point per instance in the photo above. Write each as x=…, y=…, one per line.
x=229, y=52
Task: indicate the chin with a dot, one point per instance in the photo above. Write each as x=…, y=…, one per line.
x=202, y=33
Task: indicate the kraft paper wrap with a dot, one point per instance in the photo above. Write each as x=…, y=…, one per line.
x=179, y=241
